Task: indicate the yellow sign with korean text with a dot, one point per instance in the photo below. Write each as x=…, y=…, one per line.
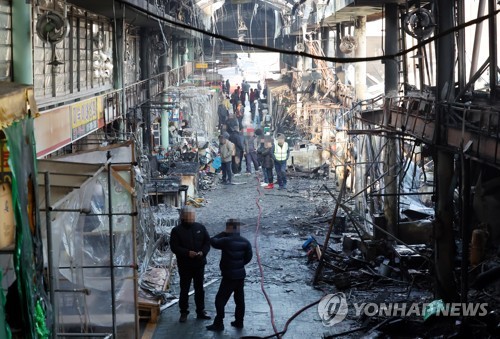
x=201, y=65
x=83, y=112
x=84, y=117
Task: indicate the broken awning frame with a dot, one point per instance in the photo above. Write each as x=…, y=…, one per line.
x=65, y=177
x=16, y=101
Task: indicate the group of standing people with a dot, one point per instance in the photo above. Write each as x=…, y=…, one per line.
x=236, y=142
x=274, y=154
x=239, y=97
x=260, y=150
x=245, y=87
x=190, y=242
x=233, y=104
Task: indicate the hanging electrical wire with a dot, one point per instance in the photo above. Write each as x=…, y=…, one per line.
x=331, y=59
x=257, y=253
x=277, y=333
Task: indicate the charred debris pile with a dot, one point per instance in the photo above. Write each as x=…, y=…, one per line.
x=390, y=280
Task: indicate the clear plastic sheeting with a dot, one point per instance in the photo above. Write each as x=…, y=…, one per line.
x=81, y=256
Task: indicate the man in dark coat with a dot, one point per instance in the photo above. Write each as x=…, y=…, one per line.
x=223, y=114
x=190, y=242
x=265, y=153
x=235, y=97
x=250, y=146
x=237, y=139
x=236, y=253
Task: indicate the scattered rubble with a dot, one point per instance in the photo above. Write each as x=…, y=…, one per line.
x=361, y=259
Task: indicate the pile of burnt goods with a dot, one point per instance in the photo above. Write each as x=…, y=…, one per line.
x=207, y=180
x=210, y=164
x=317, y=172
x=389, y=289
x=308, y=160
x=205, y=160
x=367, y=264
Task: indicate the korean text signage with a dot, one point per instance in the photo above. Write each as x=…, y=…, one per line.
x=84, y=118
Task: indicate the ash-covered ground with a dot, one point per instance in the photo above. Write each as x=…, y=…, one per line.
x=287, y=274
x=279, y=241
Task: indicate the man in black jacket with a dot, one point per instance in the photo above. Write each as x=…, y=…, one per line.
x=190, y=242
x=236, y=253
x=237, y=139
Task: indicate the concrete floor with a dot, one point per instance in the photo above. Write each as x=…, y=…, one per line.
x=287, y=274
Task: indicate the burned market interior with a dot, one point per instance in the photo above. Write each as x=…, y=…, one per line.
x=353, y=144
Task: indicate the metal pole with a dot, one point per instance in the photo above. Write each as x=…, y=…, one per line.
x=165, y=142
x=22, y=57
x=391, y=48
x=410, y=193
x=493, y=49
x=391, y=207
x=111, y=249
x=50, y=253
x=122, y=42
x=79, y=335
x=319, y=269
x=75, y=290
x=477, y=39
x=391, y=89
x=360, y=67
x=146, y=74
x=444, y=243
x=134, y=247
x=265, y=23
x=325, y=40
x=465, y=221
x=473, y=79
x=354, y=221
x=96, y=266
x=53, y=70
x=462, y=70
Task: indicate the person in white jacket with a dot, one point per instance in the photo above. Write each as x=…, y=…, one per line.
x=281, y=153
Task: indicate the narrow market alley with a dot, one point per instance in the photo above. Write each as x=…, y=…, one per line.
x=288, y=219
x=352, y=147
x=287, y=276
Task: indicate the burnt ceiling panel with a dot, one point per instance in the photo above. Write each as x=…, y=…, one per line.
x=250, y=22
